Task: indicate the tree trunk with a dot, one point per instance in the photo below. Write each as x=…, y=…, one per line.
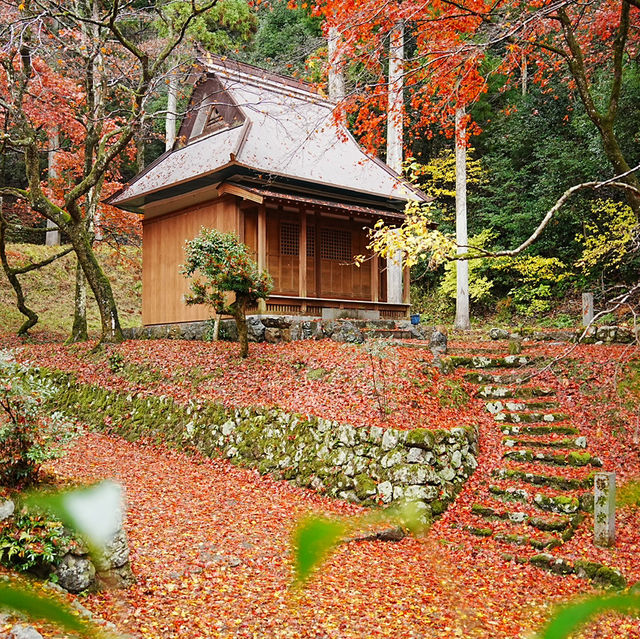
x=396, y=98
x=336, y=75
x=395, y=136
x=52, y=236
x=462, y=266
x=172, y=106
x=79, y=331
x=99, y=283
x=238, y=310
x=614, y=154
x=32, y=316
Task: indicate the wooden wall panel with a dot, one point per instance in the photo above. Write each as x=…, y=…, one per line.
x=342, y=279
x=251, y=231
x=163, y=238
x=282, y=268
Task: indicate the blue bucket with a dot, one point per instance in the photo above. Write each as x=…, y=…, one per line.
x=415, y=319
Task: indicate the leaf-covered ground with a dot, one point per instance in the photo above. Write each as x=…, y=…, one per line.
x=210, y=547
x=327, y=379
x=210, y=541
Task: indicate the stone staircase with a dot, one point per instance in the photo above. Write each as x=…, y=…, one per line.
x=542, y=490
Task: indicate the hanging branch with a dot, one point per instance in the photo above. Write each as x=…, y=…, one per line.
x=480, y=253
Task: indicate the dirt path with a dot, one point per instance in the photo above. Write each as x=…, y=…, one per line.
x=210, y=550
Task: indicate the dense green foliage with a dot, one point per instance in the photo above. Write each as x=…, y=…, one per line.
x=285, y=39
x=28, y=435
x=531, y=149
x=219, y=264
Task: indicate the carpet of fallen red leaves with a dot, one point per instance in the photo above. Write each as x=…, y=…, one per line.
x=326, y=379
x=210, y=541
x=210, y=548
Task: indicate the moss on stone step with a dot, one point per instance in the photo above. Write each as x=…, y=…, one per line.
x=574, y=458
x=540, y=430
x=488, y=378
x=479, y=532
x=480, y=361
x=518, y=392
x=553, y=481
x=598, y=573
x=548, y=541
x=530, y=418
x=563, y=504
x=533, y=443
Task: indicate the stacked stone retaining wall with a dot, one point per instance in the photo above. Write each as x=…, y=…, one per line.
x=369, y=466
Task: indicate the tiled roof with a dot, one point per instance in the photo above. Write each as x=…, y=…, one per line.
x=288, y=131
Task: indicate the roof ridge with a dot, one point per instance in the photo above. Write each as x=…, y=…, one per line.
x=230, y=66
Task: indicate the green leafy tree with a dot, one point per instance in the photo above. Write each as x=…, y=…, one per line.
x=28, y=436
x=221, y=265
x=285, y=38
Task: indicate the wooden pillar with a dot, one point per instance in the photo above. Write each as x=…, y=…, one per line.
x=302, y=257
x=406, y=282
x=262, y=237
x=375, y=278
x=262, y=248
x=318, y=251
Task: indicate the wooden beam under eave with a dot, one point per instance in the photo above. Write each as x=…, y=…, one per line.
x=375, y=278
x=262, y=237
x=233, y=189
x=302, y=256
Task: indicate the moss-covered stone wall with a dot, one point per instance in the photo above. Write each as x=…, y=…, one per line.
x=364, y=465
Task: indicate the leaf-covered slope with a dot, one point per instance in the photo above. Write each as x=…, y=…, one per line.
x=50, y=291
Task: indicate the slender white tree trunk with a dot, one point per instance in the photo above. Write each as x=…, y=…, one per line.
x=172, y=106
x=336, y=75
x=396, y=98
x=462, y=266
x=395, y=144
x=53, y=235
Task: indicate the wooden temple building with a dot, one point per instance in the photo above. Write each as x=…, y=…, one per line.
x=261, y=155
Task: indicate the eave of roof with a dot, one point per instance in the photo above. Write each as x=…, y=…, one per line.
x=263, y=193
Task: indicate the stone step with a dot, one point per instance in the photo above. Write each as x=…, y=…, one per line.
x=483, y=361
x=506, y=392
x=489, y=351
x=539, y=430
x=541, y=479
x=560, y=504
x=530, y=418
x=497, y=380
x=576, y=459
x=543, y=541
x=501, y=406
x=545, y=523
x=547, y=442
x=387, y=333
x=595, y=571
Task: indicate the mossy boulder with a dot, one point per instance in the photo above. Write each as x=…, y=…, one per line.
x=421, y=438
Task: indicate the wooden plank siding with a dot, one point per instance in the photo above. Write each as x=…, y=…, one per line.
x=163, y=286
x=329, y=244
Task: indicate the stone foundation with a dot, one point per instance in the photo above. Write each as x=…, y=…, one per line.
x=286, y=328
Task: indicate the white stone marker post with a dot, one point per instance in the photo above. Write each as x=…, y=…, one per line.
x=587, y=308
x=604, y=509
